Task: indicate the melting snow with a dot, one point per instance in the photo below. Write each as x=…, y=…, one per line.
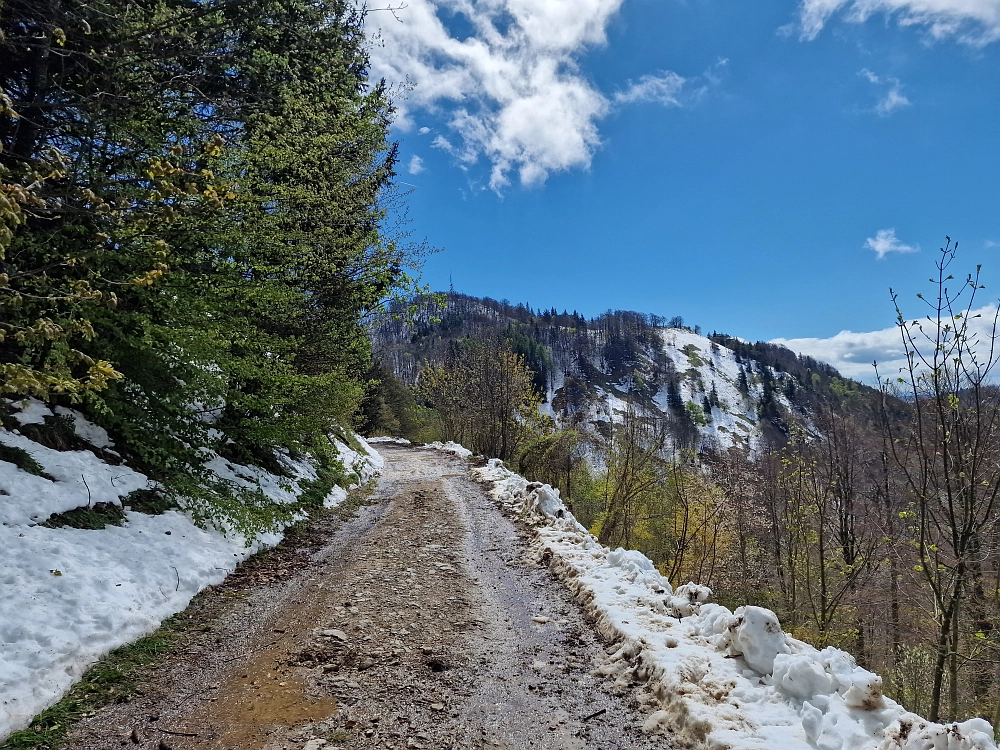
x=721, y=679
x=69, y=595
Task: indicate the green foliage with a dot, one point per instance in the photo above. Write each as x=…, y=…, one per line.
x=697, y=414
x=390, y=408
x=93, y=518
x=484, y=394
x=536, y=357
x=22, y=460
x=329, y=474
x=195, y=222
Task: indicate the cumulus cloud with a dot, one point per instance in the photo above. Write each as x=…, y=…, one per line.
x=974, y=22
x=893, y=98
x=416, y=165
x=659, y=89
x=853, y=353
x=511, y=89
x=509, y=85
x=885, y=241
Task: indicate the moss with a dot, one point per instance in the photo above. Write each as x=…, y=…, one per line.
x=22, y=460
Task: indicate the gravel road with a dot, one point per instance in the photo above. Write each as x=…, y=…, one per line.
x=417, y=622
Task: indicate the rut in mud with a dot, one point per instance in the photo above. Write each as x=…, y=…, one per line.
x=417, y=624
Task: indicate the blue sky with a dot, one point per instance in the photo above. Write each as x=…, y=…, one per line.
x=766, y=169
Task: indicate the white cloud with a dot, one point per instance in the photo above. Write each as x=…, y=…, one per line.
x=661, y=89
x=416, y=165
x=853, y=353
x=893, y=99
x=511, y=90
x=871, y=77
x=509, y=86
x=974, y=22
x=885, y=242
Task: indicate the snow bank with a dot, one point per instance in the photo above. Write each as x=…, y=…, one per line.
x=69, y=596
x=387, y=439
x=718, y=679
x=364, y=465
x=454, y=448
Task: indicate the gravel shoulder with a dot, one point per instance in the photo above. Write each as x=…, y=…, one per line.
x=418, y=622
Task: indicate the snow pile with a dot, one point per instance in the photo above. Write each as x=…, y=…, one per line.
x=68, y=595
x=454, y=448
x=718, y=679
x=365, y=466
x=387, y=439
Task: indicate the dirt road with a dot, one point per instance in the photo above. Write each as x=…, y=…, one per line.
x=418, y=623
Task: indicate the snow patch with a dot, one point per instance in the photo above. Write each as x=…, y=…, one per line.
x=81, y=479
x=86, y=430
x=387, y=439
x=32, y=411
x=454, y=448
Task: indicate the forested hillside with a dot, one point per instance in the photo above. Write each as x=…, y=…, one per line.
x=193, y=197
x=710, y=392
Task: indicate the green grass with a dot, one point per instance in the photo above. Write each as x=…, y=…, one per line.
x=111, y=680
x=692, y=352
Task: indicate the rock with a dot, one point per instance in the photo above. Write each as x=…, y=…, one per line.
x=437, y=707
x=365, y=664
x=314, y=744
x=137, y=736
x=540, y=619
x=340, y=635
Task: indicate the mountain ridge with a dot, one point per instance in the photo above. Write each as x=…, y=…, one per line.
x=713, y=391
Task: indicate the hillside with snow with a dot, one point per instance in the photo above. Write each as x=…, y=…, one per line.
x=70, y=595
x=714, y=399
x=711, y=392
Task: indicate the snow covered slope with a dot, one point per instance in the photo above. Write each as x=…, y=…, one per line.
x=675, y=381
x=719, y=680
x=69, y=596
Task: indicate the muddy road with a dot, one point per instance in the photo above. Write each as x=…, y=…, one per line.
x=416, y=623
